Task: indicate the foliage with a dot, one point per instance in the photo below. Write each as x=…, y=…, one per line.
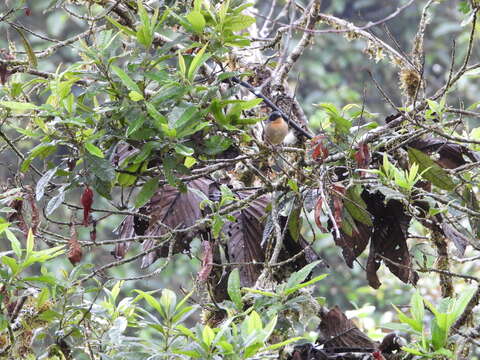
x=150, y=115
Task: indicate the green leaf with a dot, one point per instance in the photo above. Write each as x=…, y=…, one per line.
x=196, y=19
x=197, y=61
x=12, y=264
x=30, y=243
x=253, y=323
x=181, y=64
x=153, y=112
x=238, y=22
x=282, y=344
x=430, y=170
x=151, y=301
x=135, y=96
x=440, y=331
x=183, y=150
x=20, y=106
x=414, y=324
x=102, y=168
x=356, y=206
x=260, y=292
x=32, y=59
x=43, y=297
x=135, y=125
x=126, y=80
x=94, y=150
x=16, y=246
x=208, y=335
x=305, y=284
x=168, y=301
x=121, y=27
x=216, y=144
x=460, y=304
x=41, y=150
x=299, y=276
x=417, y=307
x=233, y=289
x=146, y=193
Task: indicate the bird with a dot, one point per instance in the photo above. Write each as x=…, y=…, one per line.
x=276, y=129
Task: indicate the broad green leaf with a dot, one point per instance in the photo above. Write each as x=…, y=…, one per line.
x=233, y=288
x=197, y=21
x=121, y=27
x=43, y=297
x=356, y=206
x=414, y=324
x=460, y=304
x=12, y=264
x=431, y=171
x=252, y=350
x=168, y=301
x=239, y=22
x=135, y=96
x=208, y=335
x=153, y=112
x=20, y=106
x=299, y=276
x=417, y=308
x=440, y=331
x=151, y=301
x=16, y=246
x=41, y=150
x=126, y=80
x=94, y=150
x=183, y=150
x=102, y=168
x=146, y=193
x=253, y=322
x=216, y=144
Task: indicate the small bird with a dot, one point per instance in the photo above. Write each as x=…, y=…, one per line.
x=276, y=129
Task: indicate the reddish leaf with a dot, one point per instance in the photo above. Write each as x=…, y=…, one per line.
x=320, y=151
x=337, y=331
x=389, y=239
x=318, y=214
x=362, y=156
x=451, y=155
x=171, y=208
x=87, y=200
x=74, y=249
x=35, y=216
x=28, y=11
x=245, y=236
x=338, y=192
x=353, y=246
x=125, y=230
x=207, y=261
x=377, y=355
